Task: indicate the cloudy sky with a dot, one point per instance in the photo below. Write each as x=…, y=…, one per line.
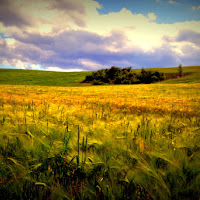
x=75, y=35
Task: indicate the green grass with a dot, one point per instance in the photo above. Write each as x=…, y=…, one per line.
x=189, y=69
x=193, y=77
x=43, y=78
x=47, y=78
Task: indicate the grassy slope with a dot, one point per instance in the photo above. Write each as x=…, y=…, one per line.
x=33, y=77
x=192, y=78
x=174, y=69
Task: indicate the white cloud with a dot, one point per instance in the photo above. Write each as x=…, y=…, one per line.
x=172, y=2
x=146, y=33
x=195, y=7
x=89, y=64
x=152, y=16
x=21, y=65
x=58, y=69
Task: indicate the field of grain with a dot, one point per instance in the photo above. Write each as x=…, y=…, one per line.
x=100, y=142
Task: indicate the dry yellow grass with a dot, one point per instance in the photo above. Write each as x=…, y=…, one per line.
x=183, y=98
x=147, y=132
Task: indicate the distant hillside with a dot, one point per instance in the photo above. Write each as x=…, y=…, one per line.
x=36, y=77
x=193, y=77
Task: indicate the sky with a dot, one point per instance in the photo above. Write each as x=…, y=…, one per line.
x=79, y=35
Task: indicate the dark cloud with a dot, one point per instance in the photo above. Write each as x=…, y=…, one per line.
x=3, y=49
x=67, y=5
x=69, y=49
x=66, y=49
x=74, y=42
x=184, y=36
x=74, y=9
x=191, y=55
x=188, y=36
x=44, y=42
x=21, y=13
x=10, y=15
x=160, y=57
x=190, y=52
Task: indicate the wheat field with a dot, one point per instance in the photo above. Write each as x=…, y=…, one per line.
x=100, y=142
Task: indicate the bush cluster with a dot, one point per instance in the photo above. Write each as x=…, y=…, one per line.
x=116, y=75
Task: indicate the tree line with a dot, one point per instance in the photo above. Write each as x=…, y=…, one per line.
x=117, y=75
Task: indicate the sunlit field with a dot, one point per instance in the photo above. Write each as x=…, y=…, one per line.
x=100, y=142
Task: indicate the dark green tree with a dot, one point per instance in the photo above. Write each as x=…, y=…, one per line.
x=180, y=70
x=116, y=75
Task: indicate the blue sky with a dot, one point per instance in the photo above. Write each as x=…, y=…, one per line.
x=176, y=11
x=77, y=35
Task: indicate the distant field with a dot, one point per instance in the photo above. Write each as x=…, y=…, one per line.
x=33, y=77
x=194, y=77
x=192, y=69
x=36, y=77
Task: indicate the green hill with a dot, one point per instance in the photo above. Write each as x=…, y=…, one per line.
x=193, y=77
x=36, y=77
x=48, y=78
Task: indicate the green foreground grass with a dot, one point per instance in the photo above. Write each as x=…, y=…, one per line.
x=45, y=78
